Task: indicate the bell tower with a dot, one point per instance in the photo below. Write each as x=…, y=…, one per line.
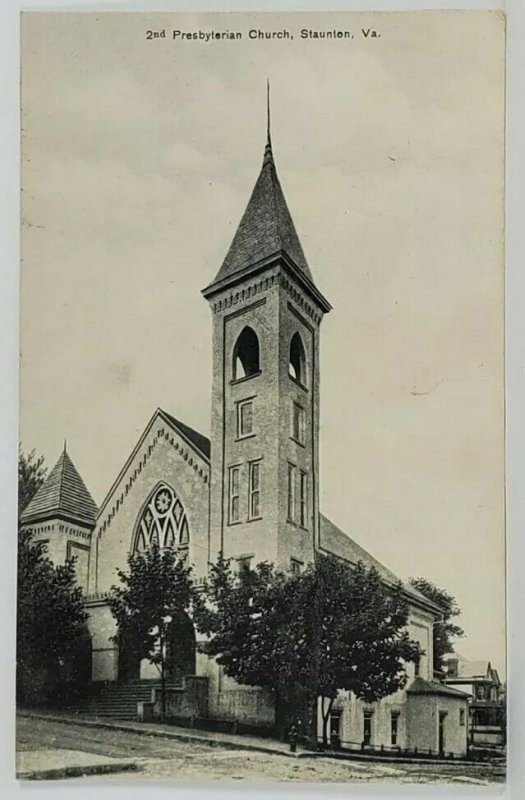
x=267, y=311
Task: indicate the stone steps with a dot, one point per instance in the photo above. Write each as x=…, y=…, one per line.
x=115, y=700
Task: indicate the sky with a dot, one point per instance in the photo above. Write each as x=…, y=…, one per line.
x=138, y=159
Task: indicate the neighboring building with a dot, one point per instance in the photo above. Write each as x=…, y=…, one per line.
x=252, y=492
x=486, y=705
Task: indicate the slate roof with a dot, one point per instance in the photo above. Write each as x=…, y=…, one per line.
x=341, y=544
x=421, y=686
x=266, y=227
x=198, y=440
x=63, y=494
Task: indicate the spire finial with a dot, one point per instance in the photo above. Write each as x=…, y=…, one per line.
x=65, y=444
x=268, y=156
x=268, y=136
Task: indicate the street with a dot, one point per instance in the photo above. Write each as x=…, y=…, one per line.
x=170, y=759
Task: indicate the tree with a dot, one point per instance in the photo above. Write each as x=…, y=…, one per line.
x=51, y=618
x=444, y=630
x=31, y=475
x=50, y=625
x=155, y=597
x=307, y=636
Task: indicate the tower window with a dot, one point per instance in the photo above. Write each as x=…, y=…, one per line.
x=254, y=500
x=244, y=418
x=246, y=355
x=297, y=363
x=291, y=492
x=298, y=423
x=303, y=500
x=233, y=504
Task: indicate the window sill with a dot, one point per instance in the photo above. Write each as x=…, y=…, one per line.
x=235, y=522
x=297, y=441
x=297, y=525
x=298, y=383
x=235, y=381
x=253, y=519
x=245, y=436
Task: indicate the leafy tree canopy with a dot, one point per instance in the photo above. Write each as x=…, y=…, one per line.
x=31, y=475
x=155, y=595
x=444, y=630
x=306, y=636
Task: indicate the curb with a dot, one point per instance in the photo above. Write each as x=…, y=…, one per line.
x=228, y=745
x=167, y=734
x=74, y=772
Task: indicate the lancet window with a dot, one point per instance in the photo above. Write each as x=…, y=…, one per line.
x=163, y=520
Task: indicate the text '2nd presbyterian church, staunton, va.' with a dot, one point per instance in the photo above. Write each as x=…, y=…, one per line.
x=258, y=34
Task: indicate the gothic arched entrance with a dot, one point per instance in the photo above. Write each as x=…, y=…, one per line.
x=180, y=655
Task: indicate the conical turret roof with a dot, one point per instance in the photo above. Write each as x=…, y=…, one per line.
x=63, y=494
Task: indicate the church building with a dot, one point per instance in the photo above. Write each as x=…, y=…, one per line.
x=251, y=491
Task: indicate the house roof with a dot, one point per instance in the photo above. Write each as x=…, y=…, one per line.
x=468, y=670
x=63, y=494
x=266, y=229
x=339, y=543
x=421, y=686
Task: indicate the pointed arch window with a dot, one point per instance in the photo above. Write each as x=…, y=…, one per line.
x=163, y=520
x=246, y=355
x=297, y=361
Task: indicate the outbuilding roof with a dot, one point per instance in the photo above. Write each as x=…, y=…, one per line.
x=421, y=686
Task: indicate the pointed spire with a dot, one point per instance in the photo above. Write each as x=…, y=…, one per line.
x=268, y=155
x=266, y=229
x=65, y=445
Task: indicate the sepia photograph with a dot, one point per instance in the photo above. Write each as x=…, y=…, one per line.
x=261, y=468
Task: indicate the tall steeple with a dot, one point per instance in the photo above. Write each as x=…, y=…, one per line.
x=266, y=231
x=266, y=312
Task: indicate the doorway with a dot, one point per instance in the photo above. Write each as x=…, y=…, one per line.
x=335, y=729
x=442, y=733
x=368, y=717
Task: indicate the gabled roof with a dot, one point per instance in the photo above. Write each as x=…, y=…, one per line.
x=202, y=443
x=467, y=669
x=339, y=543
x=63, y=494
x=421, y=686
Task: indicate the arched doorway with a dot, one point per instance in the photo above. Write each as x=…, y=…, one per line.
x=180, y=655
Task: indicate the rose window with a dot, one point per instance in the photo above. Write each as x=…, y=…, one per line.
x=163, y=521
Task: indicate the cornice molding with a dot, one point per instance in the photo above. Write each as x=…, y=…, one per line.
x=258, y=287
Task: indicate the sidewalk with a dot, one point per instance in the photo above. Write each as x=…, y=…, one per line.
x=232, y=741
x=54, y=764
x=211, y=738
